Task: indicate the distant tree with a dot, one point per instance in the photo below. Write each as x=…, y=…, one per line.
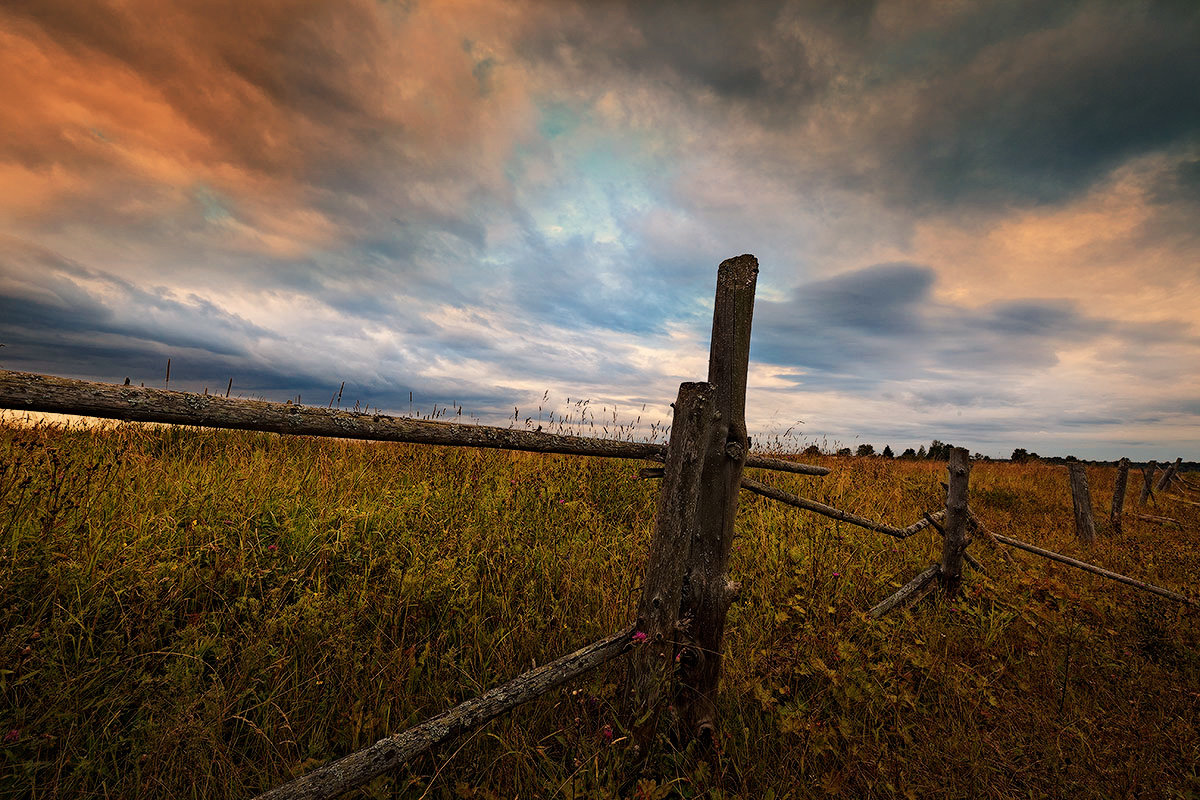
x=887, y=451
x=921, y=452
x=939, y=451
x=845, y=451
x=811, y=450
x=866, y=450
x=980, y=457
x=909, y=453
x=1019, y=456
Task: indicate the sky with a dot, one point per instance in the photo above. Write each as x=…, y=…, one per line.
x=975, y=221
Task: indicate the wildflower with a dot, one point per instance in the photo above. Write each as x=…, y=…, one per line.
x=837, y=574
x=12, y=735
x=271, y=548
x=639, y=637
x=607, y=732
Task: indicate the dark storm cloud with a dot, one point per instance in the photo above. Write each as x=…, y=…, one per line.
x=751, y=54
x=1036, y=117
x=882, y=323
x=59, y=317
x=44, y=292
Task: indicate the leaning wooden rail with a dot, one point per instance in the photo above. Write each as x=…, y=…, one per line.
x=387, y=754
x=1092, y=568
x=837, y=513
x=27, y=391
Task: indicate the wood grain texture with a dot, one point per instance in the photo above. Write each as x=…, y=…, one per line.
x=1118, y=500
x=709, y=589
x=652, y=666
x=26, y=391
x=1081, y=502
x=954, y=544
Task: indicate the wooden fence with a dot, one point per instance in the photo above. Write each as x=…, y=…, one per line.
x=686, y=592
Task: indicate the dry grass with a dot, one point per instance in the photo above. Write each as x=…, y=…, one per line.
x=206, y=614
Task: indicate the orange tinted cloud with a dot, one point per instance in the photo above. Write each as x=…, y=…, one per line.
x=117, y=112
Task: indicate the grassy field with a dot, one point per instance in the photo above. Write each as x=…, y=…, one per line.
x=207, y=614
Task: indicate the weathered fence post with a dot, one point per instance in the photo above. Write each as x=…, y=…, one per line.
x=954, y=544
x=1081, y=499
x=709, y=591
x=1148, y=482
x=652, y=666
x=1118, y=503
x=1168, y=474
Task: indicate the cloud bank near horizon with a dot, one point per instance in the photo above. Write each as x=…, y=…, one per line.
x=974, y=223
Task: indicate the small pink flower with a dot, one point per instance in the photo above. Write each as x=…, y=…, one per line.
x=607, y=732
x=837, y=574
x=271, y=548
x=639, y=637
x=12, y=735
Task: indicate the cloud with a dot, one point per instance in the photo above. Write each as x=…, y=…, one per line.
x=884, y=323
x=983, y=209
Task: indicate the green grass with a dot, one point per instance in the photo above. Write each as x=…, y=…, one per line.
x=207, y=614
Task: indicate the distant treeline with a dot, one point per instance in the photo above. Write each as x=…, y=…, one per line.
x=940, y=451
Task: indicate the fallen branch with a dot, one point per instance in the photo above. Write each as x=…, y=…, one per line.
x=836, y=513
x=387, y=754
x=1097, y=570
x=907, y=592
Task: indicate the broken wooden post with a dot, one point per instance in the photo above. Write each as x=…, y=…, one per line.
x=709, y=591
x=1167, y=475
x=1081, y=500
x=1118, y=501
x=1148, y=482
x=652, y=667
x=954, y=544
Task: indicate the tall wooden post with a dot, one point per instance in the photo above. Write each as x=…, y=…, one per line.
x=709, y=591
x=1118, y=503
x=652, y=665
x=1081, y=500
x=954, y=545
x=1167, y=475
x=1148, y=482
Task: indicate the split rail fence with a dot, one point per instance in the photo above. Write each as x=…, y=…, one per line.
x=675, y=640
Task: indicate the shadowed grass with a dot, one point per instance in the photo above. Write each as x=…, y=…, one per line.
x=191, y=613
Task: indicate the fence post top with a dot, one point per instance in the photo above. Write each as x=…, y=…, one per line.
x=741, y=270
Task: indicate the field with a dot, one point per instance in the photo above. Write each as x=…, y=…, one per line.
x=207, y=614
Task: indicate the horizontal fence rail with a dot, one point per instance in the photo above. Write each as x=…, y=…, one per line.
x=27, y=391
